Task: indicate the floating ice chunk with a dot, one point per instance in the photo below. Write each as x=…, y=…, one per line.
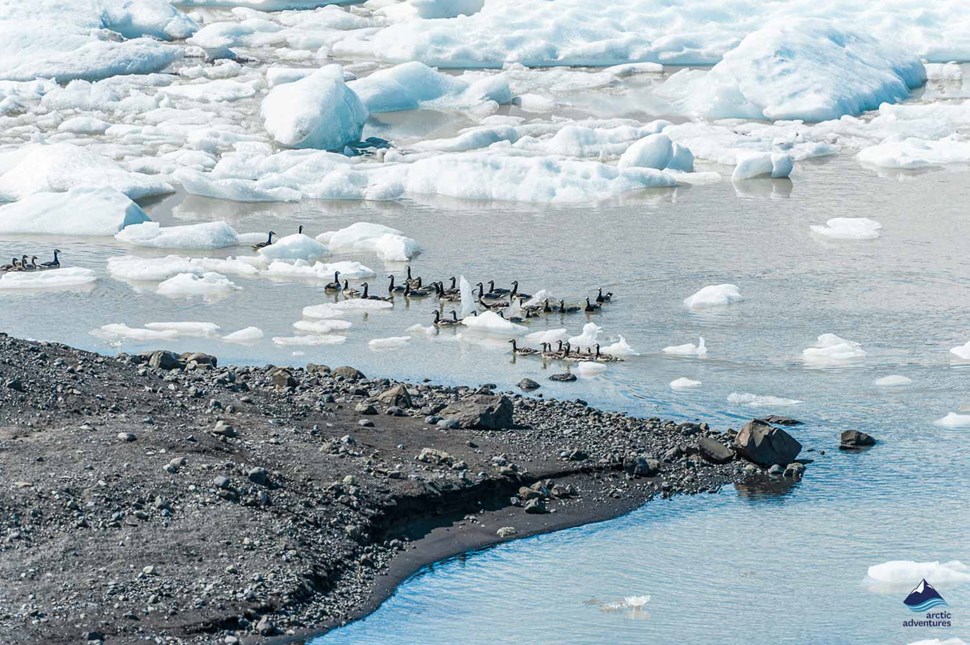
x=538, y=299
x=893, y=380
x=714, y=296
x=619, y=348
x=338, y=309
x=189, y=284
x=684, y=383
x=294, y=247
x=937, y=641
x=954, y=420
x=389, y=244
x=808, y=69
x=426, y=330
x=588, y=338
x=409, y=86
x=187, y=329
x=634, y=603
x=310, y=340
x=912, y=153
x=849, y=228
x=49, y=279
x=963, y=351
x=83, y=125
x=762, y=164
x=156, y=269
x=491, y=322
x=318, y=270
x=468, y=302
x=395, y=248
x=394, y=342
x=318, y=111
x=79, y=211
x=590, y=368
x=62, y=166
x=118, y=332
x=322, y=326
x=688, y=349
x=830, y=348
x=548, y=336
x=759, y=401
x=902, y=575
x=207, y=235
x=244, y=335
x=155, y=18
x=653, y=151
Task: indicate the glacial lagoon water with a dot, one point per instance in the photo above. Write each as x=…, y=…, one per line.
x=731, y=567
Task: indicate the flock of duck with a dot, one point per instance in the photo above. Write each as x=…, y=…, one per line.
x=30, y=264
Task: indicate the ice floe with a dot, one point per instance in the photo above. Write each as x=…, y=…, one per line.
x=309, y=340
x=117, y=332
x=244, y=335
x=207, y=235
x=849, y=228
x=490, y=322
x=79, y=211
x=294, y=247
x=187, y=328
x=322, y=326
x=962, y=351
x=349, y=270
x=762, y=164
x=338, y=309
x=588, y=338
x=657, y=151
x=209, y=285
x=684, y=383
x=759, y=401
x=954, y=420
x=388, y=243
x=589, y=368
x=714, y=296
x=893, y=380
x=548, y=336
x=409, y=86
x=914, y=153
x=619, y=349
x=903, y=575
x=318, y=111
x=393, y=342
x=830, y=348
x=688, y=349
x=66, y=278
x=156, y=269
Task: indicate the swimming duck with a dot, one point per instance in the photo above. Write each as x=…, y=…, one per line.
x=453, y=290
x=350, y=293
x=492, y=291
x=490, y=300
x=366, y=296
x=446, y=322
x=590, y=307
x=419, y=291
x=567, y=309
x=414, y=282
x=601, y=297
x=603, y=358
x=268, y=242
x=29, y=266
x=515, y=292
x=14, y=263
x=522, y=351
x=53, y=264
x=395, y=289
x=446, y=295
x=333, y=287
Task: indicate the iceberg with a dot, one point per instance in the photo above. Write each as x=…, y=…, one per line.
x=156, y=269
x=619, y=349
x=902, y=575
x=588, y=338
x=66, y=278
x=913, y=153
x=318, y=270
x=208, y=285
x=394, y=342
x=117, y=332
x=491, y=322
x=753, y=164
x=714, y=296
x=294, y=247
x=187, y=329
x=659, y=152
x=244, y=335
x=79, y=211
x=954, y=420
x=389, y=244
x=830, y=348
x=208, y=235
x=318, y=111
x=322, y=326
x=893, y=380
x=688, y=349
x=759, y=401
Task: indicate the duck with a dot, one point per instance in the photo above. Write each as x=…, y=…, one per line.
x=392, y=288
x=601, y=297
x=567, y=309
x=333, y=287
x=367, y=296
x=490, y=300
x=522, y=351
x=414, y=282
x=515, y=292
x=419, y=291
x=446, y=295
x=548, y=352
x=53, y=264
x=453, y=290
x=268, y=242
x=350, y=293
x=29, y=266
x=492, y=291
x=14, y=263
x=446, y=322
x=590, y=307
x=602, y=358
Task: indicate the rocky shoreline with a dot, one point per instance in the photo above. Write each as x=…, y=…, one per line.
x=168, y=497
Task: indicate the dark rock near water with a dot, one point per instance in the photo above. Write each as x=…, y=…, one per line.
x=714, y=451
x=397, y=396
x=766, y=445
x=348, y=373
x=855, y=440
x=778, y=420
x=564, y=377
x=528, y=385
x=794, y=470
x=641, y=466
x=481, y=411
x=165, y=360
x=535, y=506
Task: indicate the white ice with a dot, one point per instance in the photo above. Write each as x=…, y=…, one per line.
x=244, y=335
x=322, y=326
x=684, y=383
x=209, y=285
x=156, y=269
x=117, y=332
x=393, y=342
x=490, y=322
x=954, y=420
x=79, y=211
x=64, y=278
x=619, y=349
x=962, y=351
x=759, y=401
x=830, y=348
x=294, y=247
x=714, y=296
x=389, y=244
x=906, y=574
x=589, y=368
x=849, y=228
x=468, y=302
x=349, y=270
x=751, y=165
x=187, y=329
x=309, y=340
x=893, y=380
x=588, y=338
x=914, y=153
x=549, y=336
x=338, y=309
x=207, y=235
x=688, y=349
x=412, y=85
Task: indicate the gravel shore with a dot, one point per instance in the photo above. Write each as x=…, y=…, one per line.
x=165, y=497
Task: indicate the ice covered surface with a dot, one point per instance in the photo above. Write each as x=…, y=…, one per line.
x=893, y=380
x=684, y=383
x=830, y=348
x=906, y=573
x=714, y=296
x=65, y=278
x=657, y=151
x=688, y=349
x=187, y=329
x=393, y=342
x=913, y=153
x=548, y=336
x=806, y=69
x=209, y=285
x=344, y=307
x=409, y=86
x=937, y=641
x=310, y=340
x=207, y=235
x=156, y=269
x=244, y=335
x=490, y=322
x=588, y=338
x=294, y=247
x=759, y=401
x=389, y=244
x=849, y=228
x=79, y=211
x=319, y=270
x=589, y=368
x=762, y=164
x=117, y=332
x=954, y=420
x=318, y=111
x=619, y=349
x=962, y=351
x=322, y=326
x=62, y=166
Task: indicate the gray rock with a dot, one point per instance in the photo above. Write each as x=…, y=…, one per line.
x=535, y=506
x=432, y=456
x=259, y=476
x=127, y=437
x=564, y=377
x=317, y=370
x=265, y=626
x=528, y=385
x=766, y=445
x=641, y=466
x=223, y=429
x=174, y=465
x=776, y=470
x=348, y=373
x=781, y=421
x=449, y=424
x=365, y=408
x=506, y=532
x=794, y=470
x=165, y=360
x=397, y=396
x=395, y=411
x=365, y=423
x=223, y=482
x=282, y=378
x=199, y=358
x=854, y=440
x=483, y=411
x=714, y=451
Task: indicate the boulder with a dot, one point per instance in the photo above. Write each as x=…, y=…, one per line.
x=199, y=358
x=535, y=506
x=165, y=360
x=855, y=440
x=641, y=466
x=282, y=378
x=564, y=377
x=348, y=373
x=432, y=456
x=794, y=470
x=482, y=411
x=714, y=451
x=781, y=421
x=766, y=445
x=315, y=369
x=528, y=385
x=397, y=396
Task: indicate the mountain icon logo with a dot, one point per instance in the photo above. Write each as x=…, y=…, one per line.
x=924, y=597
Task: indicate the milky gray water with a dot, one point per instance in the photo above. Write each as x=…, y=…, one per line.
x=719, y=568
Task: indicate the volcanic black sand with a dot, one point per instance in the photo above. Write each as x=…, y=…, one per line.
x=166, y=497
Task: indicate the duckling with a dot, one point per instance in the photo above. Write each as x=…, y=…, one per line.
x=522, y=351
x=601, y=297
x=590, y=307
x=350, y=293
x=445, y=322
x=366, y=296
x=53, y=264
x=268, y=242
x=395, y=289
x=548, y=352
x=333, y=287
x=567, y=309
x=23, y=266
